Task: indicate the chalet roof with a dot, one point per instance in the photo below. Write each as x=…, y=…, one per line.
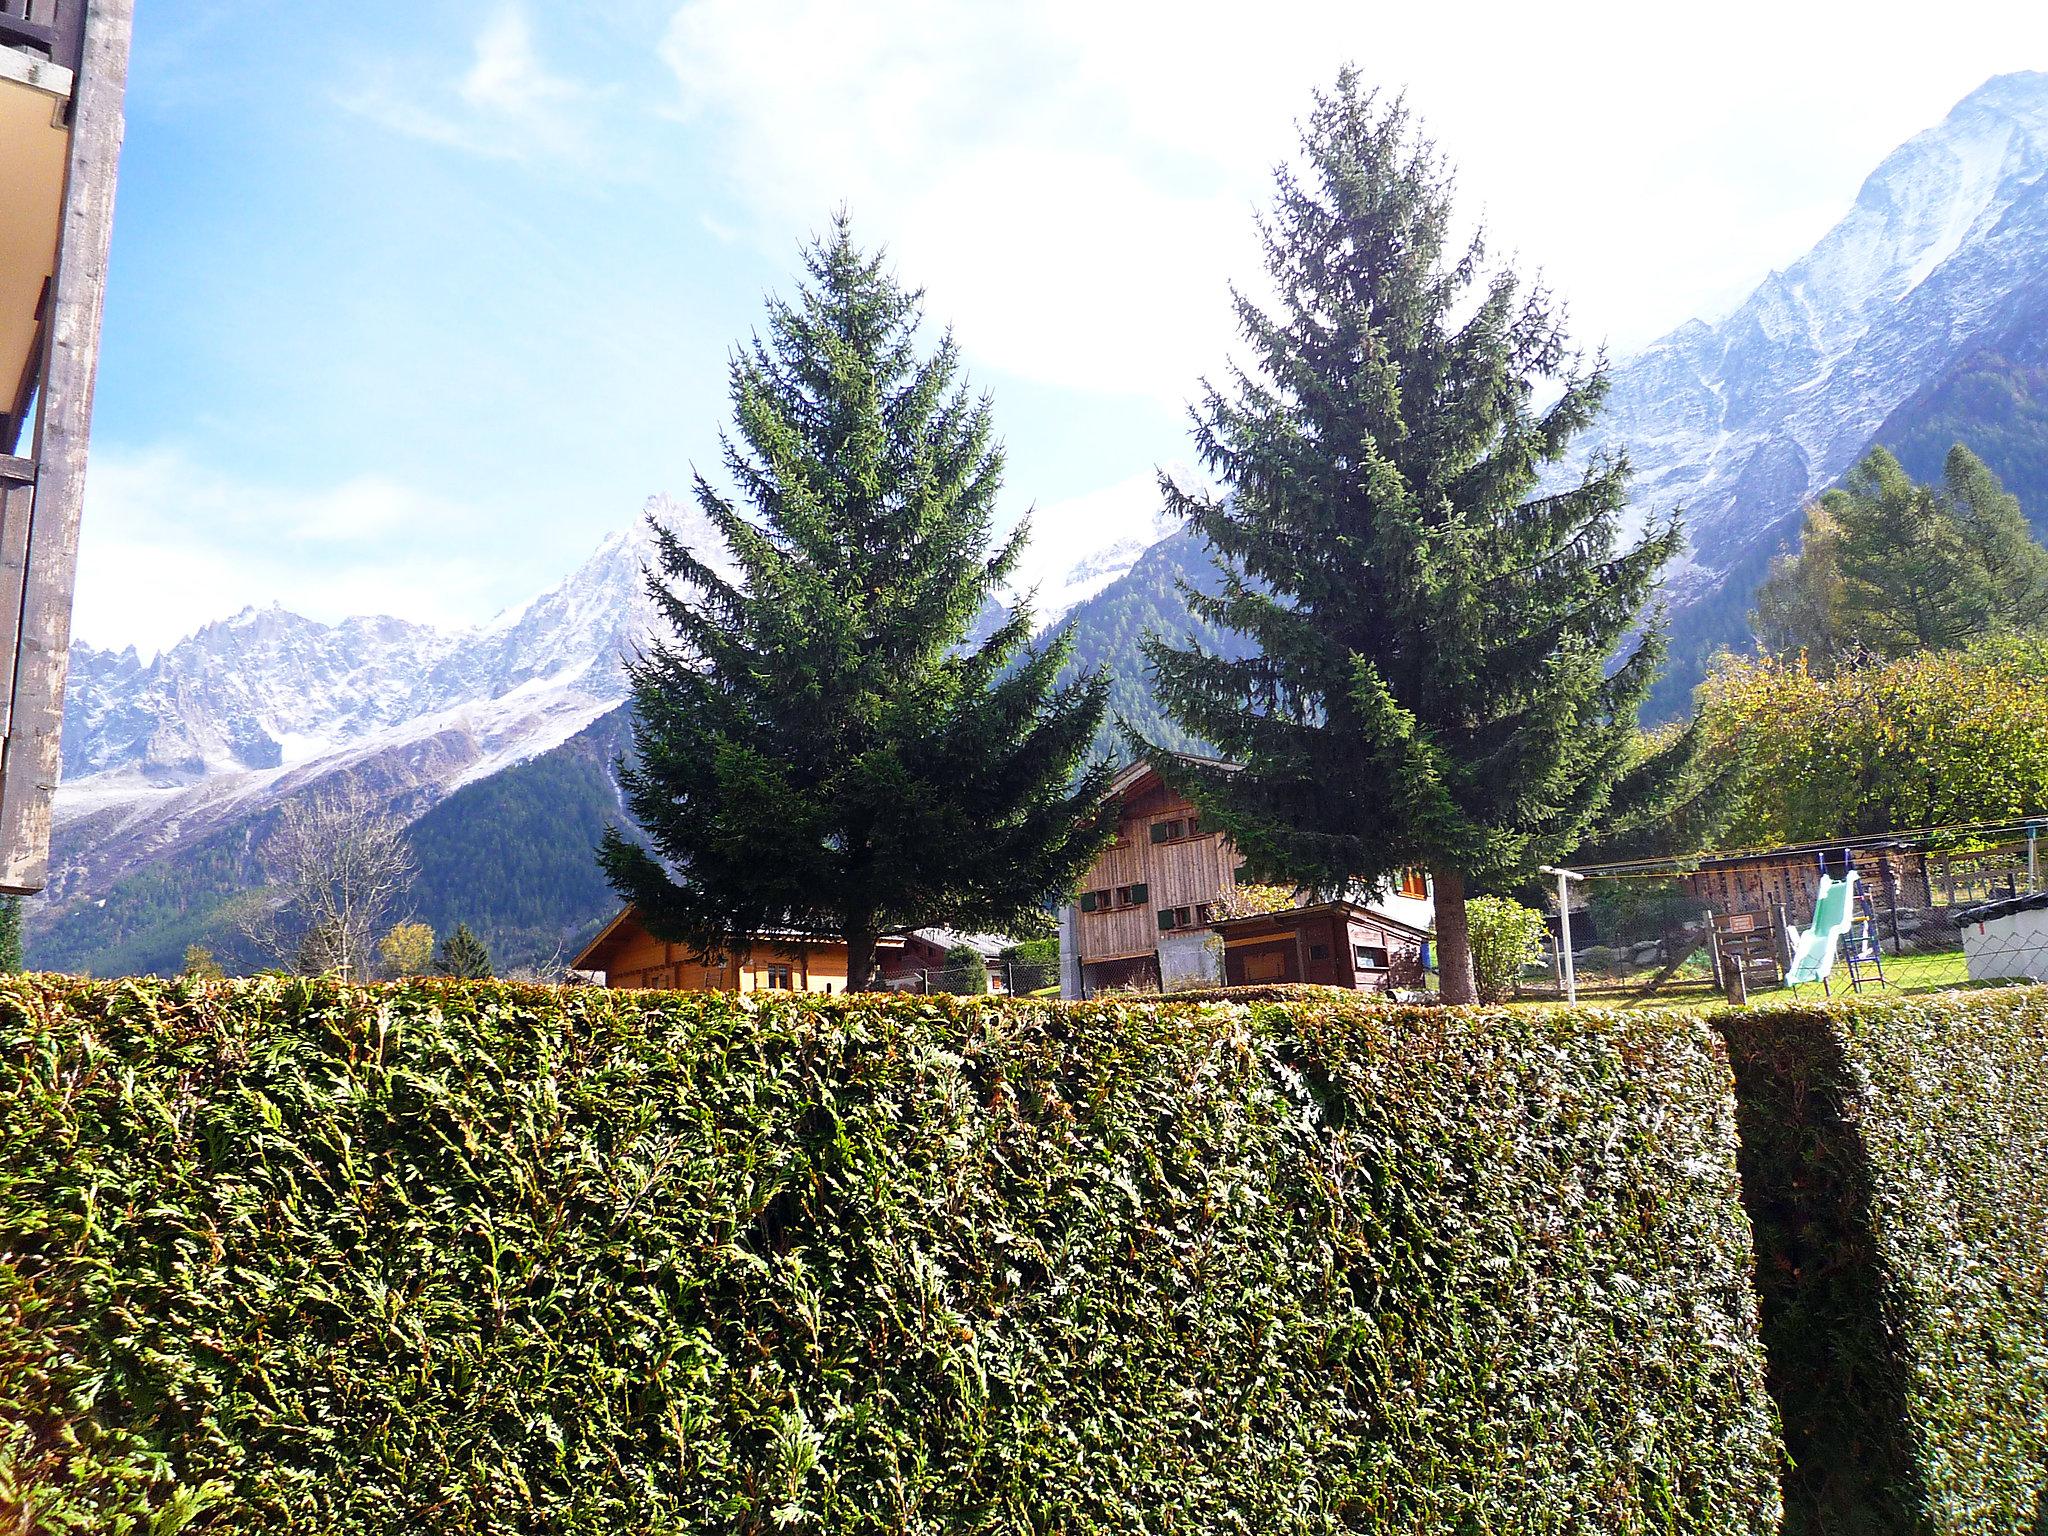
x=629, y=919
x=1136, y=773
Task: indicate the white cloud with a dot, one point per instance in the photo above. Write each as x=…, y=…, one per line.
x=169, y=545
x=509, y=104
x=1073, y=180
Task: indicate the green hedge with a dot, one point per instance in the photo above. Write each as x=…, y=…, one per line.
x=1895, y=1164
x=475, y=1258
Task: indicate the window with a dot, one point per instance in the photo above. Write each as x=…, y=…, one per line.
x=1179, y=917
x=1415, y=883
x=1319, y=951
x=779, y=978
x=1370, y=957
x=1133, y=895
x=1095, y=901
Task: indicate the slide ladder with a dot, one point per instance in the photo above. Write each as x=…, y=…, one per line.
x=1834, y=914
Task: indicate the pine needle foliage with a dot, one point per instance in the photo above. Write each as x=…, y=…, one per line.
x=1887, y=567
x=819, y=746
x=462, y=955
x=1443, y=671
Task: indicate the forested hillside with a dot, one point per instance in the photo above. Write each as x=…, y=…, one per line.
x=515, y=855
x=1110, y=630
x=1995, y=402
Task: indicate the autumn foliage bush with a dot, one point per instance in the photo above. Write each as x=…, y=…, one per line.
x=286, y=1255
x=1934, y=739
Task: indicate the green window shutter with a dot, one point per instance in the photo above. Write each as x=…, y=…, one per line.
x=1087, y=901
x=1165, y=918
x=1140, y=894
x=1158, y=831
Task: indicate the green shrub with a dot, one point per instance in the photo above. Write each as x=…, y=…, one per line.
x=1506, y=936
x=1895, y=1162
x=472, y=1258
x=965, y=973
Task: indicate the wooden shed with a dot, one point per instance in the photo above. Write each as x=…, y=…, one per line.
x=1786, y=880
x=1334, y=944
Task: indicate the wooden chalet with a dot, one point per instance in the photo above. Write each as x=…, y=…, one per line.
x=1151, y=907
x=626, y=955
x=63, y=73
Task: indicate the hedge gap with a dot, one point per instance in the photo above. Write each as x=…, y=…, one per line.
x=281, y=1255
x=1895, y=1165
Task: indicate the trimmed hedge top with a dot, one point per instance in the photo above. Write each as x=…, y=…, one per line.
x=290, y=1256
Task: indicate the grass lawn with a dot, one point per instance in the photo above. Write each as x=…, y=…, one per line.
x=1902, y=973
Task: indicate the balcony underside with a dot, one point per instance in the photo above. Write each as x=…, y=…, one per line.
x=34, y=148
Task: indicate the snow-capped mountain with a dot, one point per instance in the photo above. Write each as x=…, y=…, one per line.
x=1739, y=421
x=166, y=756
x=269, y=689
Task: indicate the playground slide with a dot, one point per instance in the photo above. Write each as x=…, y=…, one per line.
x=1834, y=914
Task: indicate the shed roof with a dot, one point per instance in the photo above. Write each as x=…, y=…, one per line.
x=2009, y=906
x=1289, y=917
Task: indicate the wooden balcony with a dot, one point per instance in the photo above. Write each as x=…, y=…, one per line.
x=53, y=30
x=39, y=43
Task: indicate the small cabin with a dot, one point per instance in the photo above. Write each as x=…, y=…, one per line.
x=626, y=955
x=1334, y=944
x=1787, y=880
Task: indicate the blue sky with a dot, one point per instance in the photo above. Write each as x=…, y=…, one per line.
x=412, y=303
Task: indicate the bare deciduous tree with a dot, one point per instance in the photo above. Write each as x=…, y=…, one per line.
x=339, y=866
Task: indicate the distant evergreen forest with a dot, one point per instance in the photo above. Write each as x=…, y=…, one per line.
x=515, y=855
x=1994, y=402
x=1110, y=629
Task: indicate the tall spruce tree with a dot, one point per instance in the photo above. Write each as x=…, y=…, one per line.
x=822, y=747
x=1439, y=678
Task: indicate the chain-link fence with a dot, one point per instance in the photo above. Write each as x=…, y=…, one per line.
x=1883, y=913
x=1010, y=978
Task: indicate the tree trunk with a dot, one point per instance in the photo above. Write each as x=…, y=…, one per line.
x=860, y=957
x=1455, y=980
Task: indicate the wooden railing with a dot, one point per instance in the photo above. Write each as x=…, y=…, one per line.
x=53, y=28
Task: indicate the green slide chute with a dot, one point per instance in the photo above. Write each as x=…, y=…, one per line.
x=1834, y=914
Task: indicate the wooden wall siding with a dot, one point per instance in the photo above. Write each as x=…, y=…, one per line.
x=641, y=961
x=1268, y=960
x=1404, y=957
x=1187, y=872
x=1793, y=881
x=32, y=754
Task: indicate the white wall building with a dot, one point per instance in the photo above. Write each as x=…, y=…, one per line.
x=2007, y=940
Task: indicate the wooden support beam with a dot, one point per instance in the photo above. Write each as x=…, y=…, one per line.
x=15, y=471
x=17, y=503
x=32, y=756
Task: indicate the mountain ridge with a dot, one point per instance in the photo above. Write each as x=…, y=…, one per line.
x=1920, y=314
